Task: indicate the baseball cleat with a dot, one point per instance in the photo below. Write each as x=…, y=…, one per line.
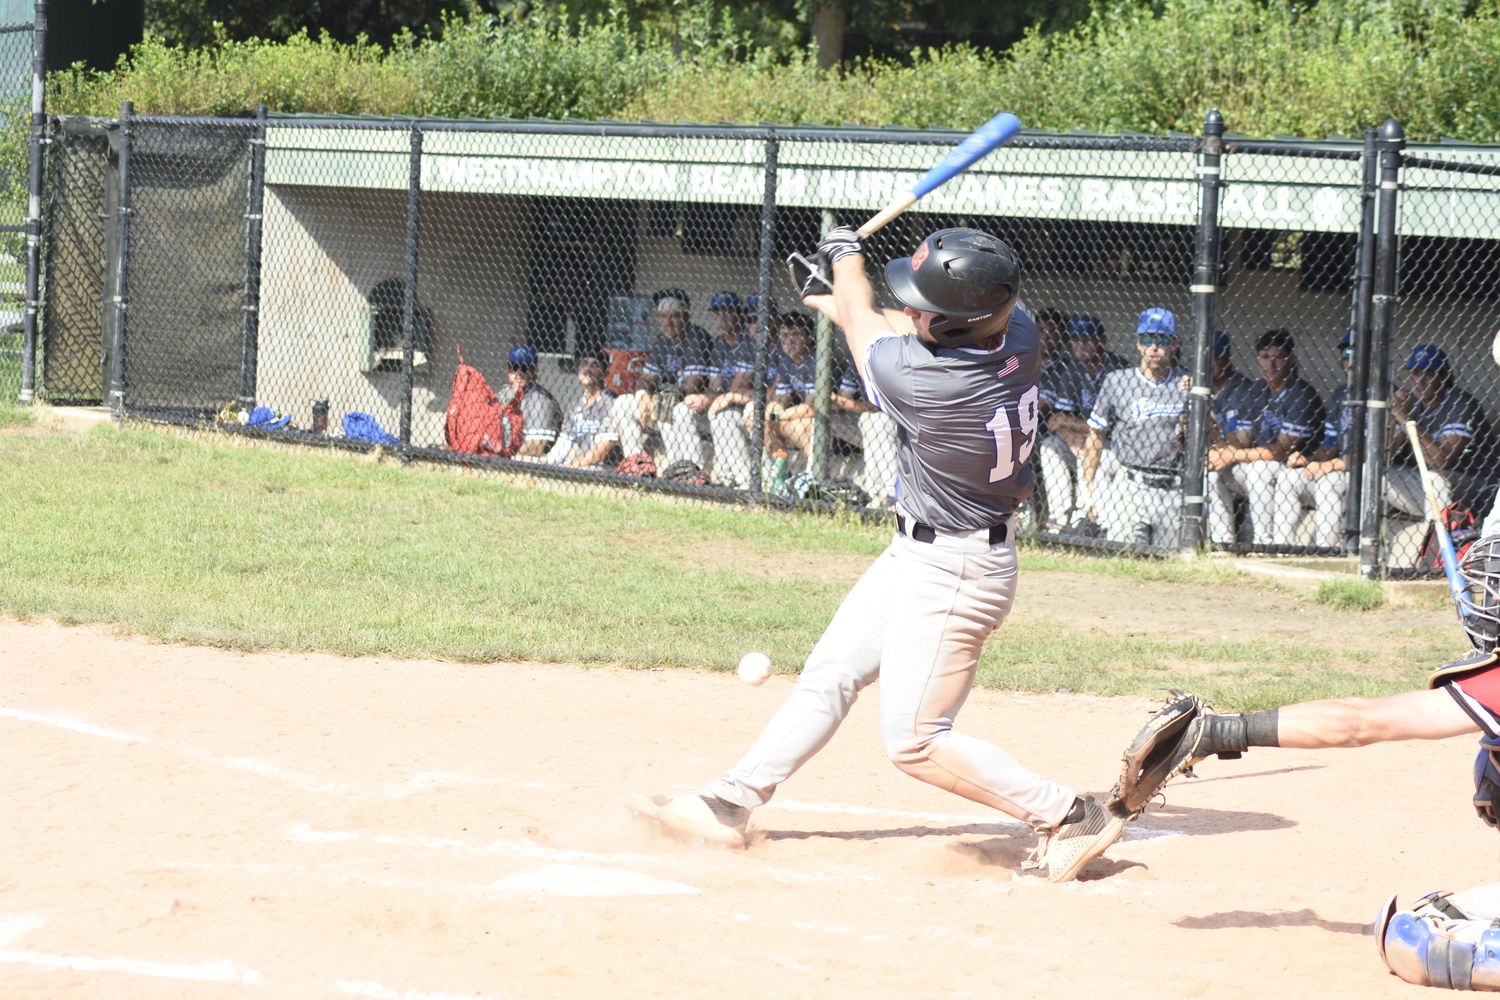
x=699, y=816
x=1065, y=850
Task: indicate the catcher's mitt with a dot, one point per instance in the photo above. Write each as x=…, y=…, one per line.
x=1166, y=746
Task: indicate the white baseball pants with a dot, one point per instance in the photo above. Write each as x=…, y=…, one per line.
x=731, y=439
x=917, y=621
x=1325, y=496
x=1254, y=481
x=1134, y=506
x=681, y=438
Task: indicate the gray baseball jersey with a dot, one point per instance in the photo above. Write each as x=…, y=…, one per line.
x=1141, y=417
x=966, y=422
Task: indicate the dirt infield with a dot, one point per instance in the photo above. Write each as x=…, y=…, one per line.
x=190, y=822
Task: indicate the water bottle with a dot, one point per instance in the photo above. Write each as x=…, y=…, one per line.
x=778, y=472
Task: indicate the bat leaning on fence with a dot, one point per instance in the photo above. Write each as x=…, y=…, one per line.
x=810, y=275
x=1439, y=525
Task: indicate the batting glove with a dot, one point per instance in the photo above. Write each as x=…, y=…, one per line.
x=840, y=242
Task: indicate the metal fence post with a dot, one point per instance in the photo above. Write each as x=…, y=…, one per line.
x=34, y=203
x=254, y=203
x=1391, y=141
x=118, y=369
x=763, y=317
x=1359, y=378
x=822, y=438
x=1205, y=290
x=409, y=300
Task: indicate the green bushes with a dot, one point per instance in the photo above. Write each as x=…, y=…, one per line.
x=1271, y=66
x=535, y=66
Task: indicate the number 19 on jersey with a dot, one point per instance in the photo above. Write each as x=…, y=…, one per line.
x=1014, y=428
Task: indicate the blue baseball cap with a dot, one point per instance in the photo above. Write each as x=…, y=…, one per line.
x=1427, y=358
x=1221, y=344
x=1346, y=339
x=1157, y=321
x=1086, y=326
x=724, y=300
x=752, y=304
x=523, y=354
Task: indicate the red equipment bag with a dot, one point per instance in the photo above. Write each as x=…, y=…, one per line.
x=478, y=423
x=1461, y=528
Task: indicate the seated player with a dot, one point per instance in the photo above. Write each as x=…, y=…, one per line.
x=541, y=417
x=675, y=372
x=789, y=405
x=731, y=382
x=1249, y=463
x=588, y=437
x=1319, y=480
x=1456, y=437
x=857, y=420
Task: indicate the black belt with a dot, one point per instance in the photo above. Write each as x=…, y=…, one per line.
x=927, y=533
x=1160, y=479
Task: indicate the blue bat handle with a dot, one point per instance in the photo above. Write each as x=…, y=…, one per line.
x=979, y=142
x=1450, y=568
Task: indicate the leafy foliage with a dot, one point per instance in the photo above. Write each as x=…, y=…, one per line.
x=1271, y=66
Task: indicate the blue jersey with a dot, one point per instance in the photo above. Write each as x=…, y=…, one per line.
x=1295, y=411
x=1457, y=413
x=965, y=423
x=1339, y=423
x=797, y=379
x=674, y=362
x=1238, y=402
x=1066, y=387
x=725, y=361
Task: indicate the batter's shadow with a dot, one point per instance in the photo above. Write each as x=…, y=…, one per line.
x=1276, y=918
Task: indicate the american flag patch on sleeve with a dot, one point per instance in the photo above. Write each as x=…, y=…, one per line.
x=1011, y=364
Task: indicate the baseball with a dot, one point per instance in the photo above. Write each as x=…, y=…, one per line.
x=755, y=668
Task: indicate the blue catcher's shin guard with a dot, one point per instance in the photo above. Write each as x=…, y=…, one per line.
x=1418, y=951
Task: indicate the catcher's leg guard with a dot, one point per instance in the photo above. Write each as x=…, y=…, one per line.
x=1423, y=951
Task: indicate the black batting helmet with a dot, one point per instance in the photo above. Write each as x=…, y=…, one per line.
x=970, y=279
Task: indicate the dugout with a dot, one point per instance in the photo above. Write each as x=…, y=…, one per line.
x=558, y=234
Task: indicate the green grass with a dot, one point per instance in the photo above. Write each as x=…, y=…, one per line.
x=1350, y=595
x=191, y=539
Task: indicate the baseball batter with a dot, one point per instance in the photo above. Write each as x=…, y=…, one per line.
x=962, y=390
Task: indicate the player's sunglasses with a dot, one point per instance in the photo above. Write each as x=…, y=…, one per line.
x=1347, y=353
x=1159, y=340
x=513, y=366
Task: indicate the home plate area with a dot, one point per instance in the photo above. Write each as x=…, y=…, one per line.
x=190, y=822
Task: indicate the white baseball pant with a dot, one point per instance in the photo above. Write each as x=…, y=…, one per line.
x=1059, y=468
x=917, y=621
x=732, y=458
x=1133, y=505
x=1256, y=483
x=874, y=434
x=1294, y=492
x=681, y=437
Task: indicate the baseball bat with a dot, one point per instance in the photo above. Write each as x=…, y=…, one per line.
x=1445, y=541
x=981, y=141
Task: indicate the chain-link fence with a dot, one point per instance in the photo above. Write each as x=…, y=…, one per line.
x=604, y=303
x=19, y=48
